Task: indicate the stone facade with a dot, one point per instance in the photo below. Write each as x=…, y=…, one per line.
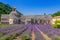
x=36, y=19
x=14, y=18
x=4, y=18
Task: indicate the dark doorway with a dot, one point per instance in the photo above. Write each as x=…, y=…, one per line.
x=19, y=21
x=32, y=21
x=36, y=22
x=40, y=21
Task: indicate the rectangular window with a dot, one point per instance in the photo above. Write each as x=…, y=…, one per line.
x=3, y=19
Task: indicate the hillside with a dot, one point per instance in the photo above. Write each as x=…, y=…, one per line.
x=6, y=9
x=56, y=14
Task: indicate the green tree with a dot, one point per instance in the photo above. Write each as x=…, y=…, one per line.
x=56, y=14
x=57, y=24
x=57, y=21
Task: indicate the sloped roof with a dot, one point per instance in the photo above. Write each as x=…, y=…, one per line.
x=36, y=16
x=14, y=14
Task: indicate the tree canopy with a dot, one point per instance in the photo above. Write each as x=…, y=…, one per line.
x=56, y=14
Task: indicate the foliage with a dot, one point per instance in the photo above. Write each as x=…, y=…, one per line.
x=2, y=33
x=57, y=21
x=9, y=37
x=6, y=38
x=54, y=25
x=57, y=39
x=3, y=25
x=57, y=24
x=5, y=8
x=25, y=37
x=56, y=14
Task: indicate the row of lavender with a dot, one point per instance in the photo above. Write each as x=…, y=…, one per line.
x=28, y=32
x=13, y=29
x=49, y=30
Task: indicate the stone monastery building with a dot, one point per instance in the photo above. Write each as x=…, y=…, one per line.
x=14, y=18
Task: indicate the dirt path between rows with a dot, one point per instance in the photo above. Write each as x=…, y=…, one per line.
x=44, y=35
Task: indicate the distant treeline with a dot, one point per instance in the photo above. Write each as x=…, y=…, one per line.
x=56, y=14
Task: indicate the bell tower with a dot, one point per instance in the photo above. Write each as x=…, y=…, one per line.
x=14, y=8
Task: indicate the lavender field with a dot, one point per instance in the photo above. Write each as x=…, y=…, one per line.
x=41, y=32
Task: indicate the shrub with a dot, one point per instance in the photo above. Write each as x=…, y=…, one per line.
x=25, y=37
x=6, y=38
x=2, y=33
x=58, y=26
x=57, y=39
x=54, y=25
x=10, y=37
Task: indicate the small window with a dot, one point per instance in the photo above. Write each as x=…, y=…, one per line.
x=4, y=19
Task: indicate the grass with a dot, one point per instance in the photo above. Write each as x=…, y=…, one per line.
x=1, y=33
x=25, y=37
x=3, y=25
x=57, y=39
x=8, y=37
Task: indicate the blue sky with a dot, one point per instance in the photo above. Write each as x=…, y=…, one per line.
x=34, y=7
